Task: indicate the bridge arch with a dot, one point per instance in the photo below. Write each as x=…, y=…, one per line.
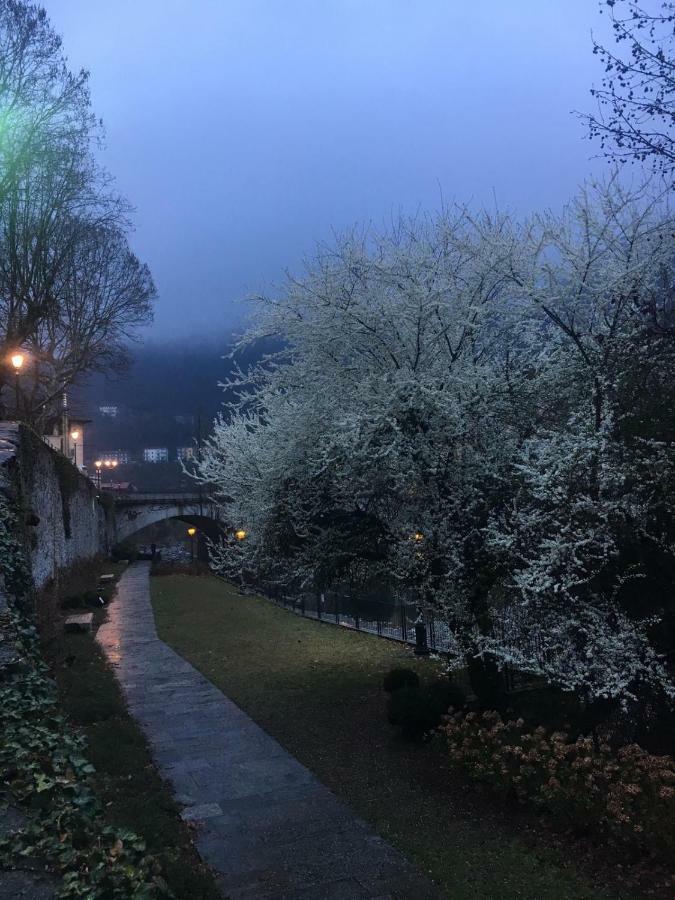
x=133, y=512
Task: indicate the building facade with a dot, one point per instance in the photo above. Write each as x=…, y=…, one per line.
x=121, y=457
x=155, y=454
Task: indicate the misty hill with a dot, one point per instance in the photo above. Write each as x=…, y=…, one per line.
x=168, y=397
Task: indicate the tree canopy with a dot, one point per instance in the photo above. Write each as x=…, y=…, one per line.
x=463, y=409
x=71, y=289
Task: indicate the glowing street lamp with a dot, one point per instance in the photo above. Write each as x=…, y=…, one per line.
x=98, y=464
x=191, y=534
x=105, y=464
x=17, y=360
x=240, y=534
x=75, y=436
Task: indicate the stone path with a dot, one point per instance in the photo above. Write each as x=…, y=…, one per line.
x=266, y=826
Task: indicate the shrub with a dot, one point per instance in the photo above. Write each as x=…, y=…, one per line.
x=400, y=678
x=417, y=710
x=81, y=601
x=628, y=794
x=124, y=551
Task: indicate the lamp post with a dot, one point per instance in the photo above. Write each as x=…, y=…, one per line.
x=98, y=464
x=240, y=534
x=107, y=464
x=421, y=644
x=191, y=534
x=17, y=360
x=75, y=435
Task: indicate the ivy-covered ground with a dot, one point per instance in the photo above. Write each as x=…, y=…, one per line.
x=74, y=769
x=318, y=690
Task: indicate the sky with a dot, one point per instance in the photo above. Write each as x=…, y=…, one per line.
x=245, y=131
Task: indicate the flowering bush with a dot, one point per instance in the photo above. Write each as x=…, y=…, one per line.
x=628, y=794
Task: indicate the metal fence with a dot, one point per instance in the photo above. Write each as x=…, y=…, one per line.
x=393, y=618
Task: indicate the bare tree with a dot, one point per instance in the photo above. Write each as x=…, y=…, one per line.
x=71, y=290
x=636, y=102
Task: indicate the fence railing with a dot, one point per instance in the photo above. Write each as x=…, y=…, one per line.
x=393, y=619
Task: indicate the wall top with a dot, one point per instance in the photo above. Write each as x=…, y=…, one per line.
x=9, y=441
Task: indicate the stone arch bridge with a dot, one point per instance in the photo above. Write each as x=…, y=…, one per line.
x=133, y=512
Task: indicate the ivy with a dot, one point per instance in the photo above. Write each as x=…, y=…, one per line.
x=44, y=768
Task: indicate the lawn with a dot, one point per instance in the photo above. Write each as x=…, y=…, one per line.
x=126, y=780
x=317, y=689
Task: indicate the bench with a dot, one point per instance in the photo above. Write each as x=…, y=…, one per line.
x=80, y=622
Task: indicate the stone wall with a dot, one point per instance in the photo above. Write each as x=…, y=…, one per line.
x=63, y=520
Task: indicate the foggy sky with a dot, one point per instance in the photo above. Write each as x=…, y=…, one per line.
x=243, y=131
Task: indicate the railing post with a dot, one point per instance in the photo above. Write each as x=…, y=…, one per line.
x=404, y=624
x=421, y=646
x=318, y=605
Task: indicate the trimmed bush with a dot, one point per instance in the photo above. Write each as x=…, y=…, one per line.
x=400, y=678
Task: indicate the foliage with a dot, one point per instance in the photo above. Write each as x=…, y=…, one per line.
x=627, y=794
x=417, y=710
x=71, y=290
x=124, y=551
x=479, y=412
x=400, y=678
x=636, y=108
x=43, y=767
x=69, y=479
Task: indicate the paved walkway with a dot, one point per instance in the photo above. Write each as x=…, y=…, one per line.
x=265, y=824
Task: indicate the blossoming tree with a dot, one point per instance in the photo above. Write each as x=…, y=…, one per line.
x=451, y=413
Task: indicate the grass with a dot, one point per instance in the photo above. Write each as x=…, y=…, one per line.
x=317, y=689
x=126, y=780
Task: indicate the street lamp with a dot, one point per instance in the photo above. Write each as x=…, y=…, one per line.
x=17, y=360
x=75, y=435
x=421, y=643
x=105, y=463
x=240, y=534
x=98, y=464
x=191, y=534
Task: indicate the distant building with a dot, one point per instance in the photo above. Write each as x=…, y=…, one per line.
x=65, y=433
x=110, y=411
x=155, y=454
x=185, y=453
x=121, y=457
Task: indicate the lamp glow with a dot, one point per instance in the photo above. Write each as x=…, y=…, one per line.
x=17, y=360
x=240, y=534
x=192, y=532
